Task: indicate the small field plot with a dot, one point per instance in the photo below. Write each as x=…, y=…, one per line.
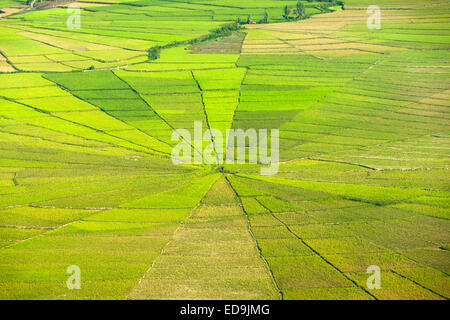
x=347, y=234
x=179, y=58
x=174, y=96
x=115, y=100
x=103, y=246
x=212, y=256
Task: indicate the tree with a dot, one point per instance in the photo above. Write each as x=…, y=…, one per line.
x=300, y=10
x=266, y=17
x=153, y=53
x=287, y=12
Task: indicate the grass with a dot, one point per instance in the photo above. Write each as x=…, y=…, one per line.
x=86, y=179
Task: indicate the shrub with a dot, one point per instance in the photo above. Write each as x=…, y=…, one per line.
x=300, y=10
x=153, y=53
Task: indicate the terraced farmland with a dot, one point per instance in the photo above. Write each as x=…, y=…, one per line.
x=86, y=176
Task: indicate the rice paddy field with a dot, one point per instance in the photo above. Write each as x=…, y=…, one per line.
x=86, y=176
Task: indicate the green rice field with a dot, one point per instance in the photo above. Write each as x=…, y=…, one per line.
x=86, y=176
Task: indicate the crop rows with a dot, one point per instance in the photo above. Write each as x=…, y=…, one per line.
x=86, y=178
